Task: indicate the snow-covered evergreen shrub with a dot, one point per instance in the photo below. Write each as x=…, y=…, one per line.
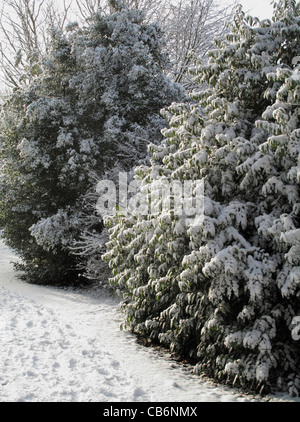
x=222, y=288
x=92, y=109
x=275, y=169
x=130, y=62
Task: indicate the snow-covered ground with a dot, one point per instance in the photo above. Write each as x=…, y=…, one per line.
x=61, y=345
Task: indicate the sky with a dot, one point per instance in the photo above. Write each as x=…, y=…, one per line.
x=263, y=9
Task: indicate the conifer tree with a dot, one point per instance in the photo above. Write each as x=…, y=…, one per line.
x=92, y=108
x=206, y=287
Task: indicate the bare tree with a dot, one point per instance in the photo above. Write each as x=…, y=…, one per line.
x=86, y=8
x=24, y=29
x=190, y=29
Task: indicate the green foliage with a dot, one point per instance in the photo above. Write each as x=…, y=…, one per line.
x=91, y=110
x=223, y=288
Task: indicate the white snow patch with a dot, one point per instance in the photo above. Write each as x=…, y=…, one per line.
x=62, y=345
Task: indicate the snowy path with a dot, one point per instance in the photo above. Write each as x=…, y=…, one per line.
x=63, y=346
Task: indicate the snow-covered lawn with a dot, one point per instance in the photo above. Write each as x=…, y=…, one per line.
x=61, y=345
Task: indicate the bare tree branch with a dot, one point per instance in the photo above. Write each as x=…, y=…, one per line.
x=87, y=8
x=190, y=29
